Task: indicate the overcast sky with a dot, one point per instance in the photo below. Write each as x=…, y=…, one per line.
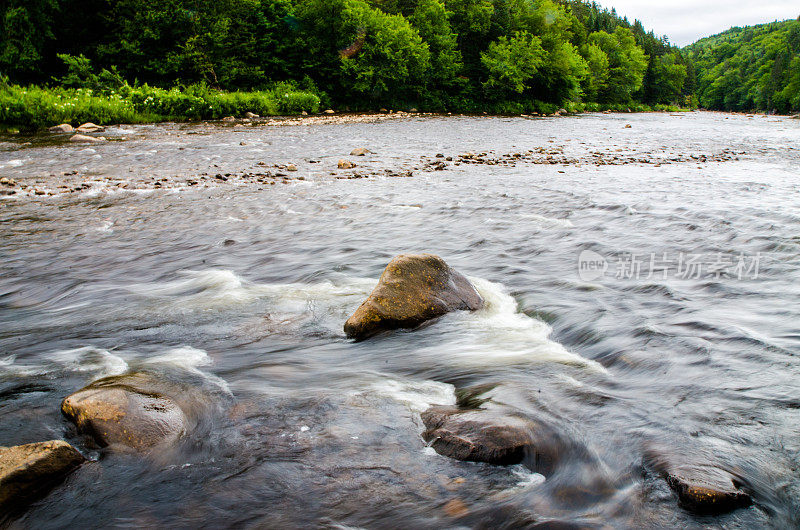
x=685, y=21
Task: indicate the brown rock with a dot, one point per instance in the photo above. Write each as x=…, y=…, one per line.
x=63, y=128
x=361, y=151
x=291, y=167
x=90, y=128
x=29, y=471
x=229, y=119
x=477, y=435
x=78, y=138
x=251, y=116
x=346, y=164
x=413, y=289
x=701, y=488
x=456, y=508
x=330, y=111
x=130, y=410
x=706, y=489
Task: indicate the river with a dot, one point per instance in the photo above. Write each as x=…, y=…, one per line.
x=640, y=271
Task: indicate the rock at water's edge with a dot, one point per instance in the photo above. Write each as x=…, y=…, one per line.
x=27, y=471
x=90, y=128
x=360, y=151
x=346, y=164
x=129, y=410
x=477, y=436
x=63, y=128
x=86, y=139
x=413, y=289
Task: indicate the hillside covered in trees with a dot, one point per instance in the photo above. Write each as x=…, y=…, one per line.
x=751, y=68
x=462, y=55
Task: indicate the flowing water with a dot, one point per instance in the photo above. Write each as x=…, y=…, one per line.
x=242, y=289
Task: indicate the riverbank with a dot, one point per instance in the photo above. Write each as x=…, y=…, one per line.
x=33, y=108
x=36, y=108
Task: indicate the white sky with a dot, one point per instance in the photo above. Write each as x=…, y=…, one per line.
x=685, y=21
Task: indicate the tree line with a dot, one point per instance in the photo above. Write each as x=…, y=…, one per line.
x=751, y=68
x=465, y=55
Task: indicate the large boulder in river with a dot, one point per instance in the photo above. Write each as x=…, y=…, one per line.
x=132, y=410
x=705, y=488
x=413, y=289
x=29, y=471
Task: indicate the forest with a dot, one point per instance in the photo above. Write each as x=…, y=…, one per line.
x=141, y=60
x=751, y=68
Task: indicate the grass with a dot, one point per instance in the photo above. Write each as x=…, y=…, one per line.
x=33, y=108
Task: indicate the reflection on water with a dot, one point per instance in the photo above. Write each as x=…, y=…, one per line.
x=242, y=292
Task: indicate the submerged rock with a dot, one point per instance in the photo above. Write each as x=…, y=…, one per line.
x=701, y=488
x=360, y=151
x=706, y=489
x=86, y=139
x=63, y=128
x=413, y=289
x=28, y=471
x=90, y=127
x=477, y=436
x=131, y=410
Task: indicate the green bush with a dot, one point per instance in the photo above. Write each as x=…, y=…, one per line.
x=34, y=108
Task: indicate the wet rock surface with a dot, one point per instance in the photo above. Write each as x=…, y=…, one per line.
x=413, y=289
x=29, y=471
x=702, y=488
x=132, y=410
x=477, y=436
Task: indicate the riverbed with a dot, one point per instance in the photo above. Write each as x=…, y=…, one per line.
x=640, y=273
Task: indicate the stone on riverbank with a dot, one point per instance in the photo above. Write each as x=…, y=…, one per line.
x=81, y=138
x=251, y=116
x=130, y=410
x=477, y=436
x=28, y=471
x=90, y=127
x=701, y=488
x=63, y=128
x=413, y=289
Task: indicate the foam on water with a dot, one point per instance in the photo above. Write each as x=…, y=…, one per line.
x=418, y=396
x=88, y=359
x=185, y=357
x=528, y=478
x=547, y=222
x=500, y=333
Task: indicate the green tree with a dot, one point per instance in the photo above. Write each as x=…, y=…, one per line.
x=512, y=62
x=627, y=64
x=26, y=27
x=432, y=21
x=387, y=59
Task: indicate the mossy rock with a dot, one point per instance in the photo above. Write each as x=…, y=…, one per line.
x=413, y=289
